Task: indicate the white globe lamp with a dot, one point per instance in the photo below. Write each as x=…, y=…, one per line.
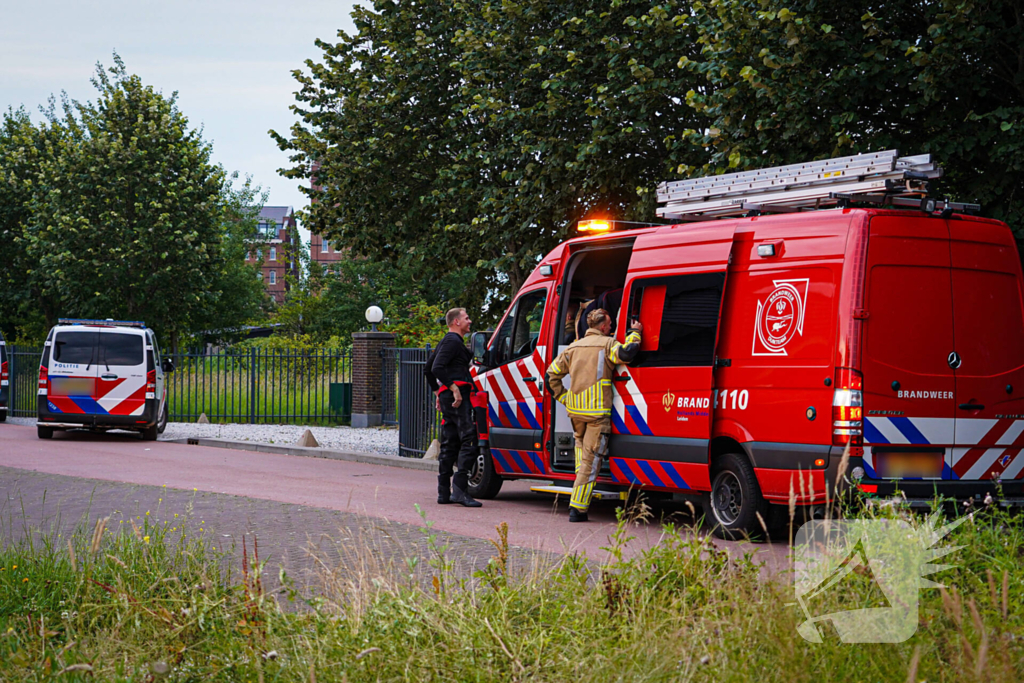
x=373, y=316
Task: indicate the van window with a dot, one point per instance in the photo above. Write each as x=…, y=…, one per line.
x=529, y=316
x=680, y=317
x=518, y=335
x=120, y=349
x=503, y=340
x=74, y=347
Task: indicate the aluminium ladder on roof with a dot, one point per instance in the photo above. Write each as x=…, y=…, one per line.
x=810, y=185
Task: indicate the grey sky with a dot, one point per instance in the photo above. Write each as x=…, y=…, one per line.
x=229, y=60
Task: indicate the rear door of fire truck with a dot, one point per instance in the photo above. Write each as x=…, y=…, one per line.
x=908, y=335
x=661, y=418
x=987, y=355
x=517, y=358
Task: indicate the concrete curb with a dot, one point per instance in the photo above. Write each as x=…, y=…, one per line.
x=350, y=456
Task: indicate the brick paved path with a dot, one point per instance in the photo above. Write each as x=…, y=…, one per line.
x=40, y=503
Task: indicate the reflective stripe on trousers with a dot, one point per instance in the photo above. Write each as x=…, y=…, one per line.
x=591, y=447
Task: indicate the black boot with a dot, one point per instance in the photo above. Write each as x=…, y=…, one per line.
x=577, y=515
x=462, y=498
x=444, y=491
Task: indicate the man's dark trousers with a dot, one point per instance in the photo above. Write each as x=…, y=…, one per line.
x=458, y=442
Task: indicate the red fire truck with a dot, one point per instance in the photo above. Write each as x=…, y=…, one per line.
x=788, y=314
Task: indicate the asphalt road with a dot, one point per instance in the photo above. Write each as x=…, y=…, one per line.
x=367, y=494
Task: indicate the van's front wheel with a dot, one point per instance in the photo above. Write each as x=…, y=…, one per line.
x=44, y=432
x=3, y=415
x=484, y=482
x=734, y=503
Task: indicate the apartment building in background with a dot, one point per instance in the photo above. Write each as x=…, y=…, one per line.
x=278, y=249
x=320, y=249
x=323, y=252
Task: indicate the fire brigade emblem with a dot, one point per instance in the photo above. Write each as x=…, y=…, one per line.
x=668, y=400
x=780, y=317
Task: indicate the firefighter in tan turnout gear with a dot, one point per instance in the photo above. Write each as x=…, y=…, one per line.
x=590, y=364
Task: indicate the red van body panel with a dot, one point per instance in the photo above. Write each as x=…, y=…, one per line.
x=888, y=294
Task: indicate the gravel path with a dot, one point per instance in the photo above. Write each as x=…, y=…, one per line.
x=383, y=440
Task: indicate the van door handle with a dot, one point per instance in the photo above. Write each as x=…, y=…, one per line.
x=621, y=378
x=529, y=379
x=108, y=376
x=971, y=406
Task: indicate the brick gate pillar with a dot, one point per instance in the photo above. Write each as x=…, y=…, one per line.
x=366, y=376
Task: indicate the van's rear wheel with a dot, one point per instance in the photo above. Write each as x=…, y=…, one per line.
x=44, y=432
x=149, y=433
x=734, y=503
x=3, y=415
x=161, y=424
x=484, y=482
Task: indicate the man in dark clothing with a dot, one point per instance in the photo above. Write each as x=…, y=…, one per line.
x=447, y=372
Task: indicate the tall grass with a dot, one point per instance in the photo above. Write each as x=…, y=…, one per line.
x=128, y=608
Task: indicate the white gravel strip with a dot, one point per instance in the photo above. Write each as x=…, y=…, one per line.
x=382, y=440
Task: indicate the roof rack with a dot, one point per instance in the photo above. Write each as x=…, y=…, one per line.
x=101, y=323
x=798, y=187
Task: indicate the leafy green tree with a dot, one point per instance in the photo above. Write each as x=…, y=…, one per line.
x=26, y=302
x=237, y=296
x=790, y=82
x=457, y=135
x=128, y=218
x=331, y=302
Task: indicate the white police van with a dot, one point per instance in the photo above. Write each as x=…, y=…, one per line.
x=100, y=375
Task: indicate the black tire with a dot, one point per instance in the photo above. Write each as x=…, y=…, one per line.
x=484, y=482
x=732, y=506
x=149, y=433
x=44, y=432
x=3, y=415
x=161, y=424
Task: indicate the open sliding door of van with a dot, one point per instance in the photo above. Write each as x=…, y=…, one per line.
x=661, y=417
x=988, y=334
x=908, y=336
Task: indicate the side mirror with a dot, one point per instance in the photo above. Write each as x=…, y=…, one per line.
x=479, y=342
x=168, y=365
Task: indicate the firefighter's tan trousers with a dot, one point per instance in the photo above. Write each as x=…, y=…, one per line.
x=591, y=447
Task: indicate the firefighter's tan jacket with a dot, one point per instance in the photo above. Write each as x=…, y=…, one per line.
x=590, y=363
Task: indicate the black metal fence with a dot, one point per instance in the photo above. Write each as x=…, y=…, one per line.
x=234, y=385
x=255, y=385
x=389, y=386
x=419, y=423
x=23, y=370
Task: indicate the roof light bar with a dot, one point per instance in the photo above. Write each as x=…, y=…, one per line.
x=101, y=323
x=595, y=225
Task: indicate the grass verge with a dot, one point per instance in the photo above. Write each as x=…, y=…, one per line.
x=140, y=601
